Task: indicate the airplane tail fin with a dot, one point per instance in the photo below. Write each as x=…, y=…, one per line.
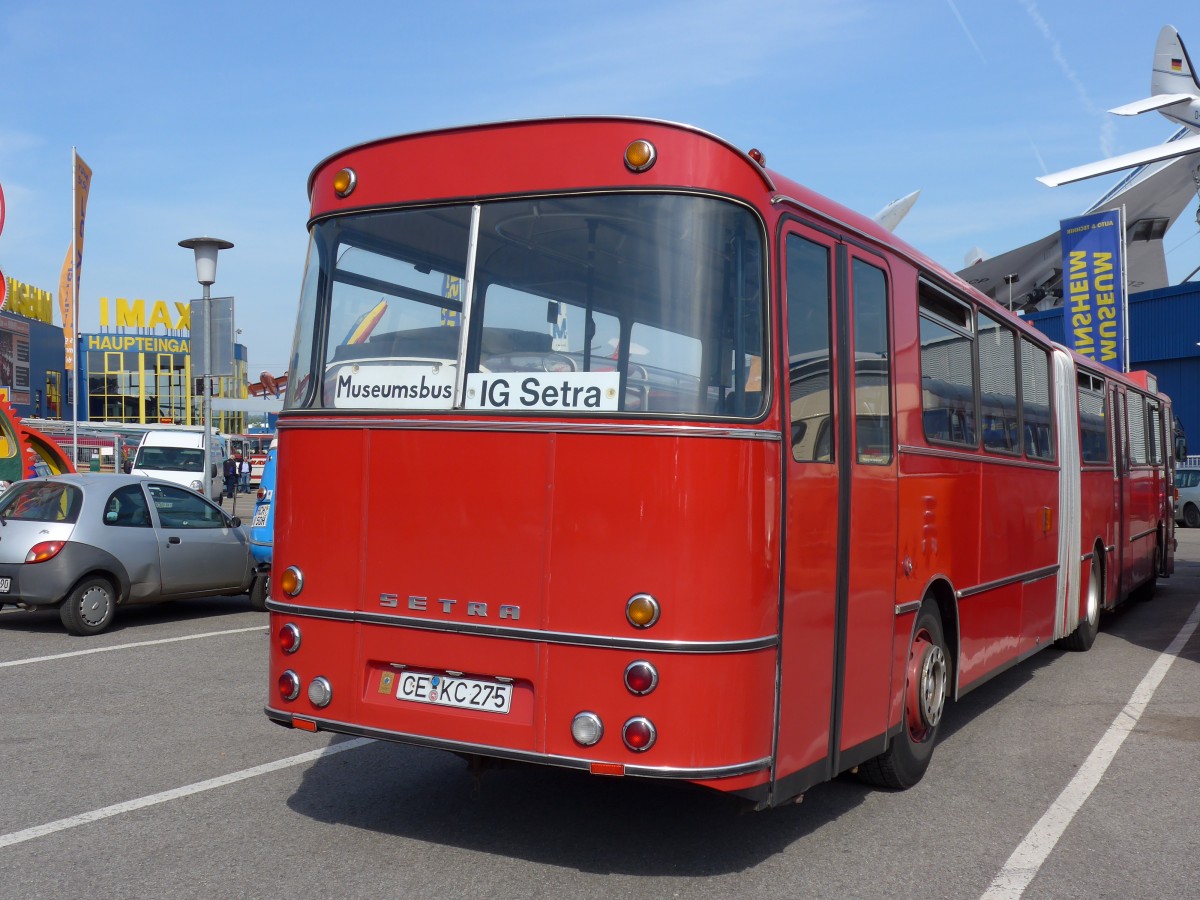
x=1172, y=71
x=889, y=217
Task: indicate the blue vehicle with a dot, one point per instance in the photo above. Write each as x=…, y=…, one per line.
x=262, y=530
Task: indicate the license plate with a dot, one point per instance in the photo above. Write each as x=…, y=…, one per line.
x=260, y=515
x=460, y=693
x=5, y=585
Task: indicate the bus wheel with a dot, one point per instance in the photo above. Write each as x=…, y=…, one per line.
x=927, y=684
x=1084, y=635
x=89, y=608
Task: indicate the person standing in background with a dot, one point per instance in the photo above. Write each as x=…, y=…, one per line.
x=244, y=474
x=231, y=477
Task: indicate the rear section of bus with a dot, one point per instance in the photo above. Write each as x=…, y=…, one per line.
x=542, y=385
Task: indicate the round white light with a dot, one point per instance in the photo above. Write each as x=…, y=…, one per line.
x=320, y=691
x=587, y=728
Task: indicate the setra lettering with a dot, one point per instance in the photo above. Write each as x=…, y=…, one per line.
x=553, y=396
x=473, y=608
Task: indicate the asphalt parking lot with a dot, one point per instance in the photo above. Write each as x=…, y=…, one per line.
x=138, y=763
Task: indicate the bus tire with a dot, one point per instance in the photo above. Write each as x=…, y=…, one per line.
x=1084, y=635
x=89, y=608
x=259, y=591
x=926, y=688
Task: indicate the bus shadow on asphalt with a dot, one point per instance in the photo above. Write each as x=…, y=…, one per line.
x=630, y=826
x=558, y=817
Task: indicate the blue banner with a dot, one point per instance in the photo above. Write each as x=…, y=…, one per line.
x=1094, y=287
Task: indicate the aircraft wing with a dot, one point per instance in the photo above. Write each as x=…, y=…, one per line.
x=1158, y=101
x=1153, y=200
x=1169, y=150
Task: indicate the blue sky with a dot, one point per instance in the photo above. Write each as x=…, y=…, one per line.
x=206, y=119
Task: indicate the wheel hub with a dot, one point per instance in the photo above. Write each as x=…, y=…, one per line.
x=933, y=685
x=94, y=606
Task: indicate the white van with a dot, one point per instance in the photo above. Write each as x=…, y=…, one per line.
x=178, y=455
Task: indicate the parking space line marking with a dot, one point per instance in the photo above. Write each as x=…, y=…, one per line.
x=1022, y=867
x=186, y=637
x=107, y=812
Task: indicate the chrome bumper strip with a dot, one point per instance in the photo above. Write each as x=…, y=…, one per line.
x=569, y=762
x=747, y=645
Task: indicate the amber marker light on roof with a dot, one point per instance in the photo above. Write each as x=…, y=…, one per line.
x=640, y=156
x=344, y=182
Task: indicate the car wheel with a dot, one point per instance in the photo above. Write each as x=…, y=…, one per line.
x=89, y=608
x=1191, y=515
x=260, y=591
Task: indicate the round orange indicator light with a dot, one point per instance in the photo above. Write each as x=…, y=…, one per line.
x=344, y=182
x=642, y=611
x=757, y=155
x=640, y=156
x=291, y=581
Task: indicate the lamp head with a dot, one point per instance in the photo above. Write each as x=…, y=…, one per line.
x=206, y=256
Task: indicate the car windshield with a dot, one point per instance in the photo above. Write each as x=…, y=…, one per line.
x=42, y=501
x=1186, y=478
x=176, y=459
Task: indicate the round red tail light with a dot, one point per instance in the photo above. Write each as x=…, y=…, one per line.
x=289, y=638
x=289, y=685
x=639, y=734
x=641, y=677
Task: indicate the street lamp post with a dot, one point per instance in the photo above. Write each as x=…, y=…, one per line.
x=206, y=249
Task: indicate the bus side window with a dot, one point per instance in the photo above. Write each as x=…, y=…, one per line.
x=1035, y=401
x=947, y=367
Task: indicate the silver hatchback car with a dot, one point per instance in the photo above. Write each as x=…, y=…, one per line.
x=89, y=543
x=1187, y=507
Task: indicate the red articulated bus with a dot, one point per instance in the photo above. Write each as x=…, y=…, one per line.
x=655, y=463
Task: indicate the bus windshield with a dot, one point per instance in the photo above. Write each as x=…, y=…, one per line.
x=637, y=303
